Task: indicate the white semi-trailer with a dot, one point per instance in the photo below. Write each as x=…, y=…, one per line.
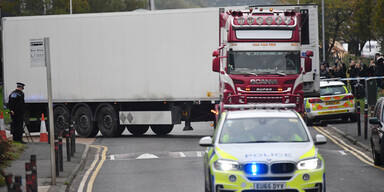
x=116, y=70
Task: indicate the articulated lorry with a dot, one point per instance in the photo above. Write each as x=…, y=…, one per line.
x=112, y=71
x=268, y=54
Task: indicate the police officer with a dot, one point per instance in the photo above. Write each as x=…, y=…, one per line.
x=16, y=106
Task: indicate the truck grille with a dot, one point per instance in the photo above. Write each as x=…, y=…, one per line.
x=264, y=99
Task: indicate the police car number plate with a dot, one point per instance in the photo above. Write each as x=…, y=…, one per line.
x=269, y=186
x=332, y=102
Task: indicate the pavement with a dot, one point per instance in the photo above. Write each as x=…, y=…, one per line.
x=42, y=152
x=349, y=131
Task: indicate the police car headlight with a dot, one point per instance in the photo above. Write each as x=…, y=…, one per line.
x=226, y=165
x=314, y=163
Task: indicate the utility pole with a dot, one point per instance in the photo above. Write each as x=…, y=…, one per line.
x=50, y=109
x=152, y=5
x=323, y=28
x=70, y=7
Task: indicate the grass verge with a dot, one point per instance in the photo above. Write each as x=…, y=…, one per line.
x=9, y=151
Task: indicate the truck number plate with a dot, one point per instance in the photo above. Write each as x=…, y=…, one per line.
x=269, y=186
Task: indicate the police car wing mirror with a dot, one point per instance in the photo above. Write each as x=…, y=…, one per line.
x=374, y=121
x=206, y=141
x=320, y=139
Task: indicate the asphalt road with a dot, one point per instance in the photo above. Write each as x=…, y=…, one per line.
x=174, y=163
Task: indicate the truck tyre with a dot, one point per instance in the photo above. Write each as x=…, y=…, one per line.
x=84, y=124
x=106, y=120
x=61, y=116
x=161, y=129
x=137, y=130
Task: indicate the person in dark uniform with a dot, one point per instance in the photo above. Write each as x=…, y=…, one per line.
x=16, y=106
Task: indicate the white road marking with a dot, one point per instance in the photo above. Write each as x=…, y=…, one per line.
x=112, y=157
x=182, y=154
x=342, y=152
x=147, y=156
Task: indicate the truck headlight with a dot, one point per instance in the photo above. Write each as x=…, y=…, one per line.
x=314, y=163
x=226, y=165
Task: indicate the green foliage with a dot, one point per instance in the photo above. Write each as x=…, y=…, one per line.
x=353, y=21
x=8, y=151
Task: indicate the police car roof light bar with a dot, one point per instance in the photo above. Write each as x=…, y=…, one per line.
x=261, y=106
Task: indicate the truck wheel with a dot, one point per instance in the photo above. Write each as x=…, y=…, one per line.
x=84, y=124
x=61, y=116
x=137, y=130
x=161, y=129
x=107, y=122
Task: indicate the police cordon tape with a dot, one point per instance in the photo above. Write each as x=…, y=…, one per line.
x=353, y=78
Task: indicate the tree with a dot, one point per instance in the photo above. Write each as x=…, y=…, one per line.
x=360, y=26
x=10, y=8
x=378, y=22
x=33, y=7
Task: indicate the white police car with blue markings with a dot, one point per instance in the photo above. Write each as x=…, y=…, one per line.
x=263, y=150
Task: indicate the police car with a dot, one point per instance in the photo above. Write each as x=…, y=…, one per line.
x=335, y=101
x=263, y=151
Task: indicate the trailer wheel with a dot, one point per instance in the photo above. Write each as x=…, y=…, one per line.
x=137, y=130
x=161, y=129
x=106, y=120
x=84, y=124
x=61, y=116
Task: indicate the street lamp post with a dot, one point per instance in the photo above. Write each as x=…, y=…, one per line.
x=70, y=7
x=323, y=28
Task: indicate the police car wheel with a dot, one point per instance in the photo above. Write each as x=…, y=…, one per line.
x=308, y=121
x=137, y=130
x=353, y=118
x=375, y=155
x=161, y=129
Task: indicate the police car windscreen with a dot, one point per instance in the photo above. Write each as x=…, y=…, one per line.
x=332, y=90
x=263, y=130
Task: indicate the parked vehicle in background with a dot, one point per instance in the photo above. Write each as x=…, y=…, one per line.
x=116, y=70
x=377, y=130
x=268, y=54
x=336, y=101
x=263, y=150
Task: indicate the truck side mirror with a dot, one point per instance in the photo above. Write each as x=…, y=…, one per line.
x=216, y=64
x=215, y=53
x=308, y=61
x=216, y=61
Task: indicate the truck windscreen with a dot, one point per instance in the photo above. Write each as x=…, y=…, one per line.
x=264, y=62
